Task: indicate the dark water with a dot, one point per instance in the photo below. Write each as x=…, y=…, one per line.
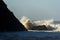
x=56, y=22
x=25, y=35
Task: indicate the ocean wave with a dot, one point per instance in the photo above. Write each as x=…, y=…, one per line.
x=29, y=24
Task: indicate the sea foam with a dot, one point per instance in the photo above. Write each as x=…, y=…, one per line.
x=31, y=24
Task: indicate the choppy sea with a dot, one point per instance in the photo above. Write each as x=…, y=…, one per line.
x=34, y=34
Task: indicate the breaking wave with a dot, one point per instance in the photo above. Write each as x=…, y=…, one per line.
x=50, y=24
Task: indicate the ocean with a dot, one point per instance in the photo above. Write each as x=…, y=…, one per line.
x=31, y=24
x=29, y=35
x=34, y=34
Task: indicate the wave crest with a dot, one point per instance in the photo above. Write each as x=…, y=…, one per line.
x=29, y=24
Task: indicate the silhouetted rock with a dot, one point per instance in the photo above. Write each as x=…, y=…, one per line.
x=40, y=27
x=8, y=22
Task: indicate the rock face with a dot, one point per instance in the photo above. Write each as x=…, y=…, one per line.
x=8, y=22
x=40, y=27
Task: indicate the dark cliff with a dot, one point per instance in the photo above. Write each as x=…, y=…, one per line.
x=8, y=22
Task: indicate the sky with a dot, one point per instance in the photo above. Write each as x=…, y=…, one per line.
x=35, y=9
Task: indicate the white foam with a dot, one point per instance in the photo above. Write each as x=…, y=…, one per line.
x=29, y=23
